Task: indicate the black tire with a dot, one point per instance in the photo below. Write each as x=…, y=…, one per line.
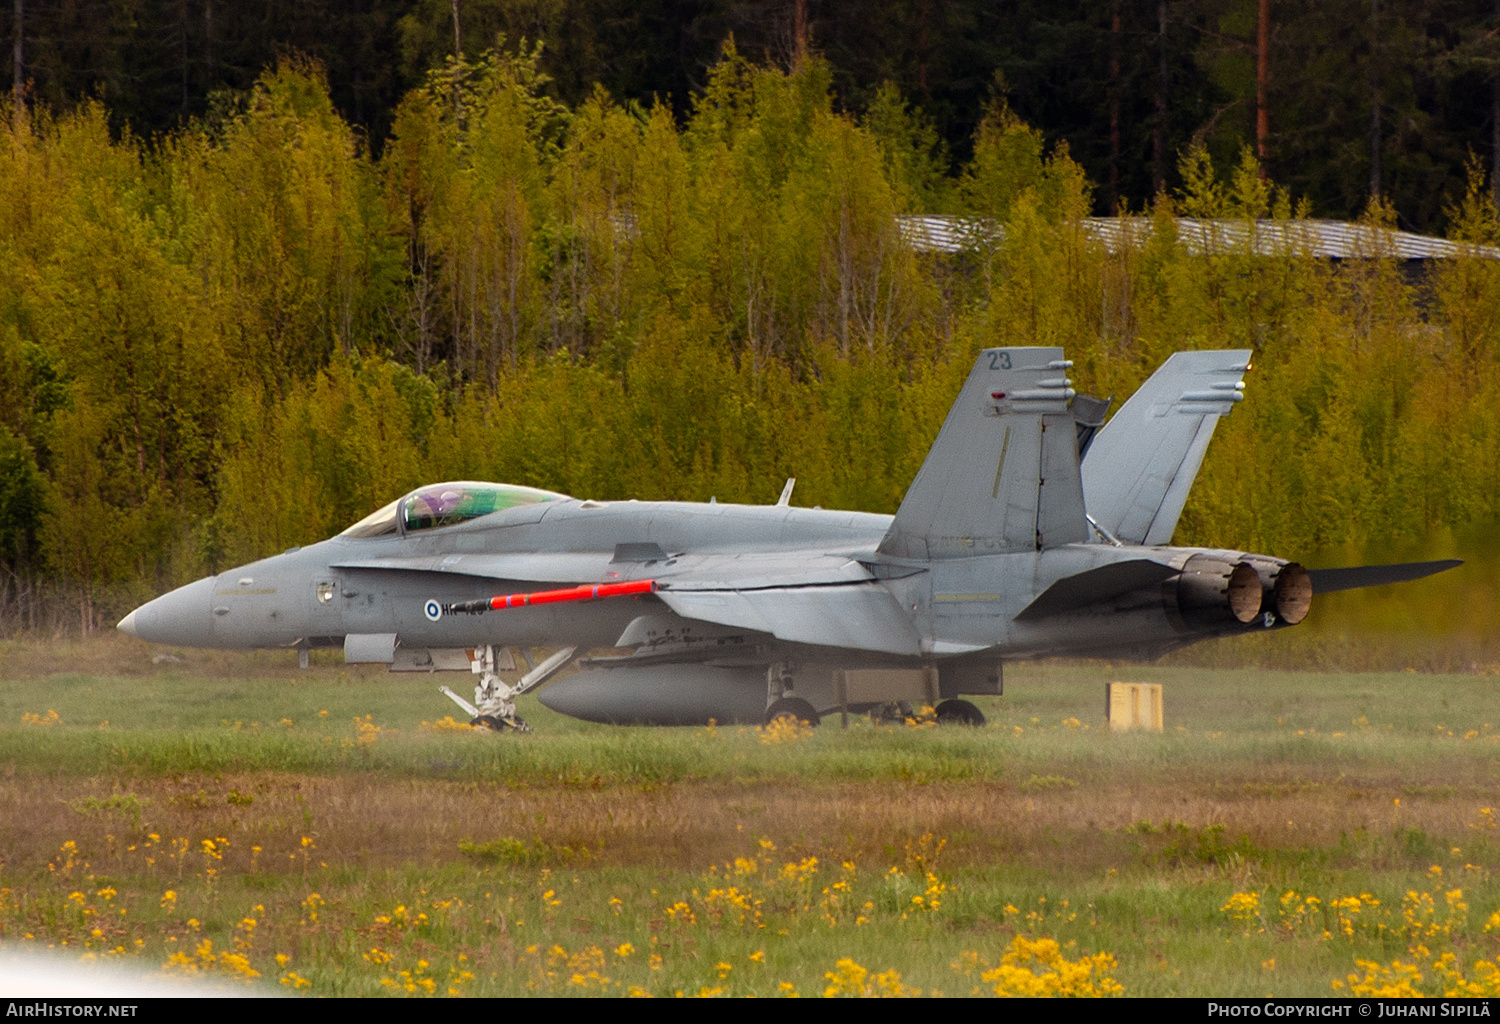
x=894, y=712
x=794, y=708
x=494, y=724
x=959, y=712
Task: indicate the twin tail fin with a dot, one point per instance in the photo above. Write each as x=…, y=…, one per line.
x=1003, y=474
x=1142, y=464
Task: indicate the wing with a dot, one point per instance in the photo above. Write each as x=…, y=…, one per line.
x=862, y=616
x=801, y=597
x=1326, y=581
x=758, y=571
x=808, y=597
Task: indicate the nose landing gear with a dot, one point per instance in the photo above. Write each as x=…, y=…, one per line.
x=495, y=710
x=494, y=706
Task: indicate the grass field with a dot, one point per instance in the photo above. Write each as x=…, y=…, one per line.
x=233, y=816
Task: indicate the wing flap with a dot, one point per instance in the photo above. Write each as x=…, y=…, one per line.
x=1328, y=581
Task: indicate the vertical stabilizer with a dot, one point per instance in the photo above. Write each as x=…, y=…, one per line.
x=1143, y=462
x=1003, y=472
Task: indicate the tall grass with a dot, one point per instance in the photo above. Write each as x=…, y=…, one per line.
x=442, y=854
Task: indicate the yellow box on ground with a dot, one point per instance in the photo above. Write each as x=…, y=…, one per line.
x=1133, y=706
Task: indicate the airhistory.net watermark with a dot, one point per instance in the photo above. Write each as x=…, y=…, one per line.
x=50, y=1009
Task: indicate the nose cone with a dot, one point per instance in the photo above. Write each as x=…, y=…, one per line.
x=183, y=617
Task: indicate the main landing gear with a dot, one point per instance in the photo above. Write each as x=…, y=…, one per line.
x=782, y=702
x=794, y=708
x=949, y=712
x=959, y=712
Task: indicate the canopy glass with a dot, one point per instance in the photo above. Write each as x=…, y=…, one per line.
x=439, y=505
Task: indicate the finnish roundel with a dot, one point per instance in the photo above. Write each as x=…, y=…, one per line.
x=433, y=609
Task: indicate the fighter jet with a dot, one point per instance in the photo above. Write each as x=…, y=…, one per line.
x=1033, y=529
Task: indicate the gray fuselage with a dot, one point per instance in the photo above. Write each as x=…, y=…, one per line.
x=313, y=597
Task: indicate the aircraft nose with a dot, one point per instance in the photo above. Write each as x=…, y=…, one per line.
x=184, y=617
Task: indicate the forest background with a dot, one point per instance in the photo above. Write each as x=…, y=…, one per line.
x=260, y=322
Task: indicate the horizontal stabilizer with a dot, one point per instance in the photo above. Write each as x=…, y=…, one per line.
x=1326, y=581
x=1101, y=584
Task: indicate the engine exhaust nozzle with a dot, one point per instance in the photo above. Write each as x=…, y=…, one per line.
x=1212, y=591
x=1244, y=592
x=1292, y=593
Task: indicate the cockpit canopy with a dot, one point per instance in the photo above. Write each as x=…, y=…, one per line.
x=447, y=504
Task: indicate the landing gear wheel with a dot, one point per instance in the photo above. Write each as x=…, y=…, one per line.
x=496, y=724
x=794, y=708
x=959, y=712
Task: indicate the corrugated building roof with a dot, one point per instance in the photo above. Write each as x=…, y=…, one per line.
x=1321, y=239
